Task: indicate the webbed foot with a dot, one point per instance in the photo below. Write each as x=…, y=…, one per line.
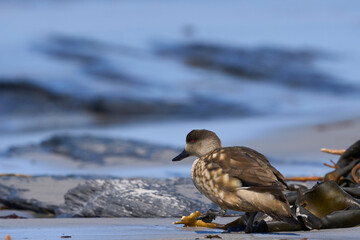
x=192, y=221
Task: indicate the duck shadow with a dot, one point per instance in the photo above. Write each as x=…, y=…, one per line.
x=279, y=234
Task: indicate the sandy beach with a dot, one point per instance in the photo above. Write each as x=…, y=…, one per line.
x=140, y=228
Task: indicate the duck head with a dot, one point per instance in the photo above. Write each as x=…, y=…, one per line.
x=199, y=143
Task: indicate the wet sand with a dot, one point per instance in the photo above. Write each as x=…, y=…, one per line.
x=141, y=228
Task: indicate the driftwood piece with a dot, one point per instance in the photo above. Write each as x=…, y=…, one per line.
x=304, y=179
x=333, y=151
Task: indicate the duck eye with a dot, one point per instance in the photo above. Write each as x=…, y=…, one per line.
x=192, y=140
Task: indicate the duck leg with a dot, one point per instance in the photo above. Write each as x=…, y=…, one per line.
x=211, y=214
x=250, y=222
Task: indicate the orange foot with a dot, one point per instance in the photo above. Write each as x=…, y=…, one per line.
x=191, y=221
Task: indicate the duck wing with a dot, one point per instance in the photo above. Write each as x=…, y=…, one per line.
x=249, y=166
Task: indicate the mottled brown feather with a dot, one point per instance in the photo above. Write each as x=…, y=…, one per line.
x=249, y=166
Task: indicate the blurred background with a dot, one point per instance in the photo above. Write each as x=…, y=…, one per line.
x=91, y=87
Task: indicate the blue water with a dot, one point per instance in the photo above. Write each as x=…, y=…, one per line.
x=131, y=32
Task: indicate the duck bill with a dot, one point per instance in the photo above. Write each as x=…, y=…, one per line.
x=181, y=156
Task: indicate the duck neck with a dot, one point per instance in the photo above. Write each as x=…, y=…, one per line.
x=210, y=146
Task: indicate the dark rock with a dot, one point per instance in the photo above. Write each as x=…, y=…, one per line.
x=89, y=55
x=102, y=91
x=24, y=96
x=136, y=108
x=133, y=198
x=81, y=197
x=38, y=194
x=12, y=216
x=99, y=150
x=36, y=106
x=92, y=57
x=292, y=68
